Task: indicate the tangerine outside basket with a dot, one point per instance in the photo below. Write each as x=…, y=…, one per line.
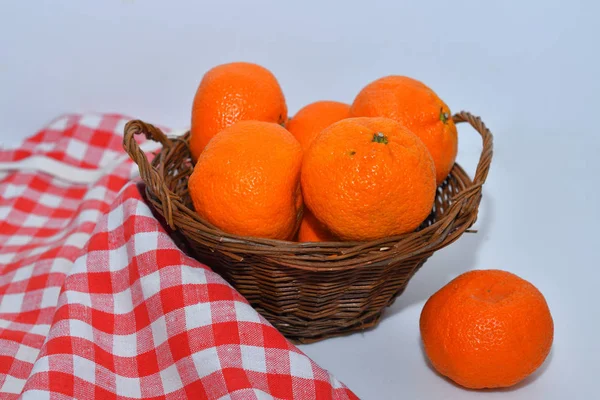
x=308, y=291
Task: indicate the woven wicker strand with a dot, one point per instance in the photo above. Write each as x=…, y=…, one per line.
x=309, y=291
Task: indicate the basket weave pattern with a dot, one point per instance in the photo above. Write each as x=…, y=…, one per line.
x=309, y=291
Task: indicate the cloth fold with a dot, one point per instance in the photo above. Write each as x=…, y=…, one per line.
x=97, y=301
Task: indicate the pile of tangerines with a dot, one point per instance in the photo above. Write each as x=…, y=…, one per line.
x=332, y=172
x=359, y=171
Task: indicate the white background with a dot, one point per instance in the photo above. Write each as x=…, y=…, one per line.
x=530, y=69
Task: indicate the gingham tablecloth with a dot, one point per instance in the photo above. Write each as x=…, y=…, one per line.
x=96, y=300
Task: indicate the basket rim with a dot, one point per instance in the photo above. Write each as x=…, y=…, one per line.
x=225, y=237
x=170, y=203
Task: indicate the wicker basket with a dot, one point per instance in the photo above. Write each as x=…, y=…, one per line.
x=308, y=291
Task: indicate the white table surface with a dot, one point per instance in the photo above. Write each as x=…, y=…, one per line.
x=530, y=69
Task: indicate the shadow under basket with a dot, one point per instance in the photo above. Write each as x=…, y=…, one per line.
x=309, y=291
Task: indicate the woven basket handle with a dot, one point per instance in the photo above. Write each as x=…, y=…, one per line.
x=485, y=159
x=467, y=201
x=148, y=173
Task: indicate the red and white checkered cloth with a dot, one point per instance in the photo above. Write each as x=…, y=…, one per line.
x=96, y=300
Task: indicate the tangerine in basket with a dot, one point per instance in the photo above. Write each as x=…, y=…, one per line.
x=311, y=119
x=247, y=181
x=232, y=92
x=487, y=329
x=367, y=178
x=418, y=108
x=312, y=230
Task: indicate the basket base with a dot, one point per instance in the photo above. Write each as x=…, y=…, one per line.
x=360, y=323
x=298, y=329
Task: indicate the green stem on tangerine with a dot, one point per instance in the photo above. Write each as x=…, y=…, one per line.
x=444, y=117
x=379, y=138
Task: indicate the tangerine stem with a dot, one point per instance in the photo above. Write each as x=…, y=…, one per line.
x=380, y=138
x=444, y=116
